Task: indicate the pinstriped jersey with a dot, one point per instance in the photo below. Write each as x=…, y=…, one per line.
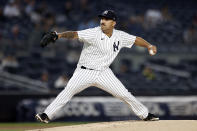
x=99, y=50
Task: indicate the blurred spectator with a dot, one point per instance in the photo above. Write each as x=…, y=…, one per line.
x=194, y=21
x=135, y=25
x=72, y=57
x=49, y=19
x=68, y=8
x=190, y=35
x=167, y=16
x=1, y=56
x=43, y=6
x=125, y=67
x=83, y=25
x=15, y=33
x=84, y=6
x=35, y=36
x=9, y=61
x=61, y=81
x=93, y=22
x=152, y=18
x=35, y=16
x=60, y=20
x=148, y=73
x=30, y=6
x=88, y=24
x=45, y=76
x=66, y=15
x=12, y=9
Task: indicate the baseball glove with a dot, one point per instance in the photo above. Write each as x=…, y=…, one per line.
x=48, y=38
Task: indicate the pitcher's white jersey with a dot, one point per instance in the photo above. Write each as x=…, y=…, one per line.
x=99, y=50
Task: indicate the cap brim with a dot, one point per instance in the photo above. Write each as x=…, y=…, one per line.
x=100, y=16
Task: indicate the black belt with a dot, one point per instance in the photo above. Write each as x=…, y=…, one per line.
x=83, y=67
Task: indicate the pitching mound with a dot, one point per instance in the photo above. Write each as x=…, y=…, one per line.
x=162, y=125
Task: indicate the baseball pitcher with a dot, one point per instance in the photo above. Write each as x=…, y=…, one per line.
x=101, y=45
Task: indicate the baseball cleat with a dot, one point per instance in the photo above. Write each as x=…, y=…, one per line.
x=42, y=118
x=151, y=117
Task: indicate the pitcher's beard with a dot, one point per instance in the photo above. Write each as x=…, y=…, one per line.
x=105, y=29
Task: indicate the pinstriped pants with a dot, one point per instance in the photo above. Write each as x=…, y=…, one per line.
x=105, y=80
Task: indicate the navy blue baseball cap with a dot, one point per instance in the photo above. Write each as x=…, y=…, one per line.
x=109, y=14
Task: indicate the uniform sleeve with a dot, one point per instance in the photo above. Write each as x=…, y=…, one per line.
x=127, y=39
x=87, y=35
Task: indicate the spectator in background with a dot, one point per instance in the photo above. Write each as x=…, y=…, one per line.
x=1, y=59
x=43, y=6
x=84, y=6
x=194, y=21
x=45, y=76
x=61, y=81
x=135, y=24
x=83, y=25
x=9, y=61
x=30, y=6
x=68, y=8
x=152, y=18
x=12, y=9
x=167, y=16
x=72, y=57
x=88, y=24
x=148, y=73
x=35, y=36
x=125, y=67
x=1, y=56
x=65, y=14
x=14, y=39
x=93, y=22
x=16, y=33
x=49, y=19
x=17, y=37
x=36, y=16
x=190, y=35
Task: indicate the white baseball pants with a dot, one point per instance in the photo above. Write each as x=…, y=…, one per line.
x=105, y=80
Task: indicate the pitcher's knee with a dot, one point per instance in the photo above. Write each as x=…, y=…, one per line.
x=126, y=96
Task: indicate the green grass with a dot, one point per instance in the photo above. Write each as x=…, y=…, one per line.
x=38, y=124
x=35, y=125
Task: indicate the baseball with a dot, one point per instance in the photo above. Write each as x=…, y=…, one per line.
x=151, y=52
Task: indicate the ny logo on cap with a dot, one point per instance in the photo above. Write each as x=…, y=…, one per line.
x=105, y=12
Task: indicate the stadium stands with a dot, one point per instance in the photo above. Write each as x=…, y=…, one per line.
x=20, y=36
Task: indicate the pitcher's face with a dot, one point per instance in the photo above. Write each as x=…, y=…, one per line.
x=107, y=24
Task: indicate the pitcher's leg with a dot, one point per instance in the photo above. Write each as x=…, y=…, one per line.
x=108, y=82
x=75, y=85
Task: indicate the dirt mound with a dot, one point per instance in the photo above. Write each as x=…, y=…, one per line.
x=162, y=125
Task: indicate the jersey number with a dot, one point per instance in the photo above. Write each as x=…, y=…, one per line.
x=115, y=46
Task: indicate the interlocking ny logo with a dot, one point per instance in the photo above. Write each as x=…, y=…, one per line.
x=105, y=12
x=115, y=46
